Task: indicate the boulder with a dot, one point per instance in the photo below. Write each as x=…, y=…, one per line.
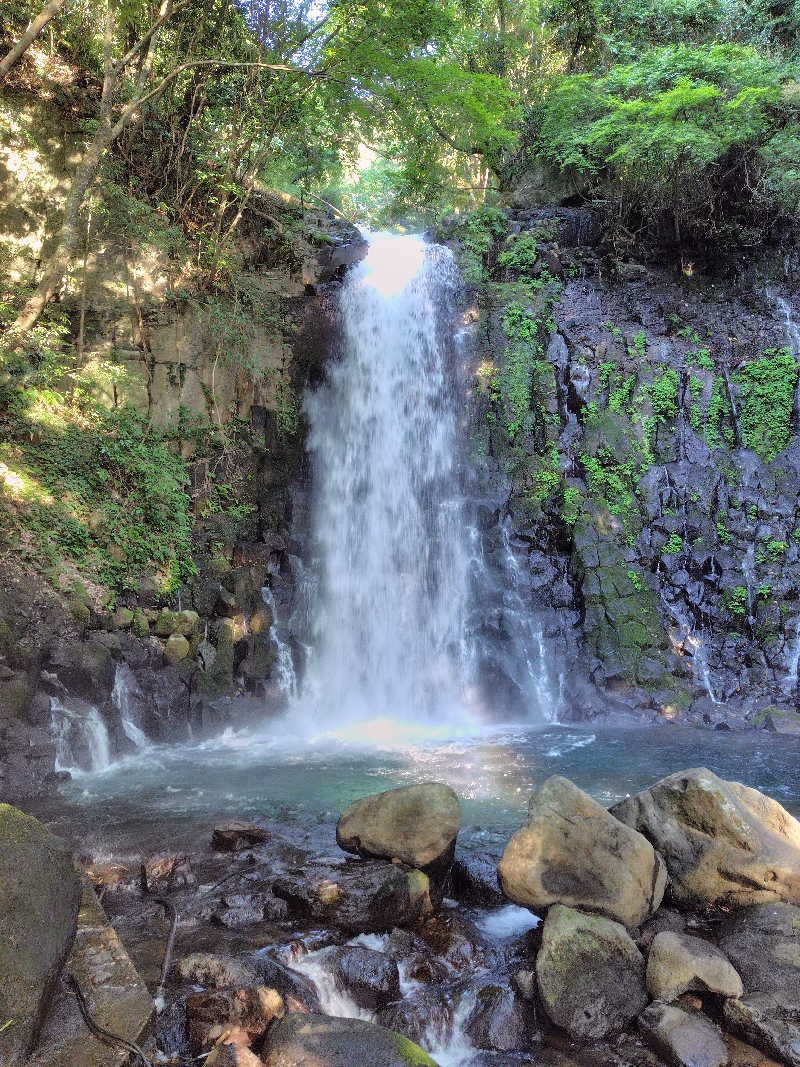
x=425, y=1016
x=230, y=1052
x=233, y=836
x=303, y=1040
x=117, y=997
x=417, y=824
x=177, y=648
x=679, y=964
x=40, y=894
x=473, y=880
x=770, y=1021
x=681, y=1038
x=177, y=622
x=210, y=1015
x=371, y=978
x=572, y=852
x=591, y=976
x=763, y=943
x=215, y=971
x=723, y=843
x=499, y=1021
x=356, y=897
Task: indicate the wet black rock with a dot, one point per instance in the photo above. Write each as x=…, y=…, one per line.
x=473, y=880
x=371, y=978
x=500, y=1021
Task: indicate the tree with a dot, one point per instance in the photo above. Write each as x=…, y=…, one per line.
x=49, y=11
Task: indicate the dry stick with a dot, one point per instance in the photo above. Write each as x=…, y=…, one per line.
x=97, y=1031
x=169, y=910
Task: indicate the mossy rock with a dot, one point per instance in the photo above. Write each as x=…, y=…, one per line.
x=177, y=622
x=122, y=619
x=139, y=625
x=176, y=648
x=80, y=611
x=40, y=892
x=297, y=1040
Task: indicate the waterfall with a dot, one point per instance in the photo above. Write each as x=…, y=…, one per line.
x=284, y=672
x=124, y=698
x=389, y=535
x=81, y=736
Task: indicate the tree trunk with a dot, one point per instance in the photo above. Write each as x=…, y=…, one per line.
x=48, y=11
x=67, y=238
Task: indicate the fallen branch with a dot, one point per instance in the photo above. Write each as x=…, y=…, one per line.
x=97, y=1031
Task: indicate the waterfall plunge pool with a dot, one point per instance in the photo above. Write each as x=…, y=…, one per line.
x=168, y=797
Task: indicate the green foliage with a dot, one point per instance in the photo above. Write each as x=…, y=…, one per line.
x=700, y=357
x=674, y=545
x=766, y=390
x=520, y=253
x=736, y=601
x=664, y=396
x=521, y=359
x=572, y=505
x=667, y=126
x=770, y=552
x=723, y=534
x=99, y=487
x=718, y=430
x=636, y=580
x=476, y=232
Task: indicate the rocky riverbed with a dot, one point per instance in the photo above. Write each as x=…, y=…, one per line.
x=663, y=931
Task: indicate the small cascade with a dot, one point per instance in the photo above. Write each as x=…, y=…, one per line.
x=691, y=643
x=526, y=633
x=123, y=697
x=80, y=734
x=748, y=570
x=284, y=665
x=793, y=337
x=791, y=681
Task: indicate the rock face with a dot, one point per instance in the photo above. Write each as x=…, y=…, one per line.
x=591, y=975
x=723, y=843
x=117, y=997
x=356, y=897
x=571, y=851
x=683, y=1039
x=39, y=897
x=306, y=1040
x=678, y=964
x=417, y=824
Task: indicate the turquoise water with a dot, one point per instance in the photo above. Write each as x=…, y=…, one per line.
x=168, y=796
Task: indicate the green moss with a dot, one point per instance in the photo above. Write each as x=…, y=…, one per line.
x=411, y=1053
x=766, y=389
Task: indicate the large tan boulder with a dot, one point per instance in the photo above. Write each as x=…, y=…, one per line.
x=723, y=843
x=591, y=975
x=40, y=892
x=680, y=964
x=571, y=851
x=417, y=824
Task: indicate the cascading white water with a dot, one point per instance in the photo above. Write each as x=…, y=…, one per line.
x=123, y=697
x=389, y=532
x=80, y=735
